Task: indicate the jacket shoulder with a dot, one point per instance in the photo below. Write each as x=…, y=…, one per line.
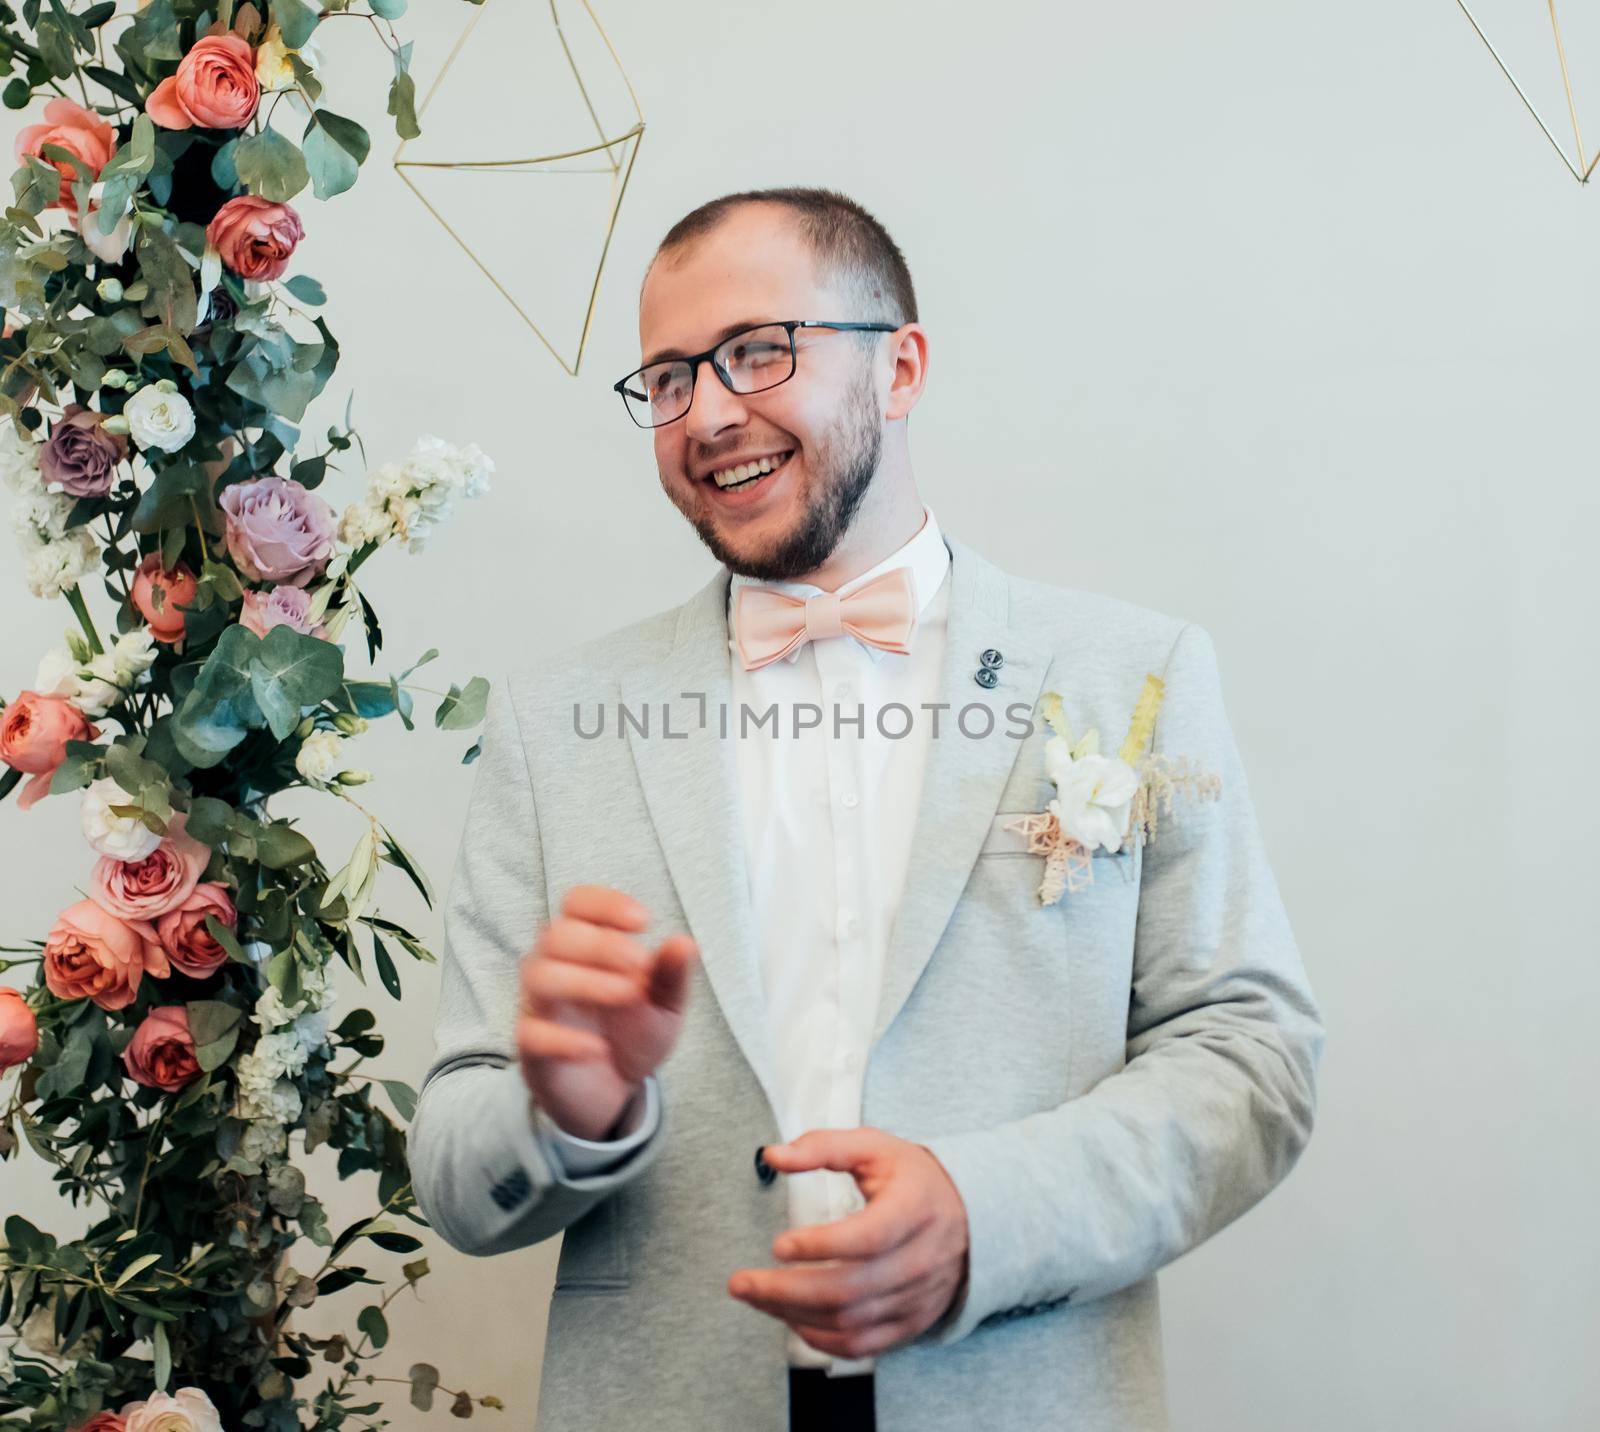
x=1076, y=619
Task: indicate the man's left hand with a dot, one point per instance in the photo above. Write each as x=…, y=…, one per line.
x=902, y=1259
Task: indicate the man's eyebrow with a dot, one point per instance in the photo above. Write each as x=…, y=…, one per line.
x=663, y=354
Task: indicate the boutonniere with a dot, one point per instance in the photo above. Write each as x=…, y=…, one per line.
x=1103, y=802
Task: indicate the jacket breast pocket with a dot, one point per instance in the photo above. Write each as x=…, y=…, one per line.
x=594, y=1256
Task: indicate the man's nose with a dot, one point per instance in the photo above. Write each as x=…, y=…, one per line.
x=712, y=407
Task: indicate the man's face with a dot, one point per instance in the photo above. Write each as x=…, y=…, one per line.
x=828, y=418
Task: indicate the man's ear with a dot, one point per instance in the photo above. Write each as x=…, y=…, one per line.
x=908, y=351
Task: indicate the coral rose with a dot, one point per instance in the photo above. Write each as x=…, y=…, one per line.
x=34, y=731
x=186, y=1410
x=215, y=87
x=91, y=954
x=189, y=945
x=158, y=594
x=161, y=1053
x=161, y=881
x=19, y=1030
x=254, y=236
x=80, y=454
x=101, y=1422
x=77, y=130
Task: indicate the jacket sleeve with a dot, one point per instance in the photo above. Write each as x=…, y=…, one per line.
x=1217, y=1096
x=486, y=1172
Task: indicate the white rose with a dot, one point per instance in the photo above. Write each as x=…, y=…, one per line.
x=108, y=248
x=60, y=674
x=121, y=837
x=1094, y=797
x=159, y=417
x=321, y=757
x=58, y=567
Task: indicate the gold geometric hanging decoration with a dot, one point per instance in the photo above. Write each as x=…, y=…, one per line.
x=520, y=81
x=1584, y=165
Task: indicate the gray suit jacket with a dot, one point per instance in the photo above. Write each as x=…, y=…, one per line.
x=1108, y=1080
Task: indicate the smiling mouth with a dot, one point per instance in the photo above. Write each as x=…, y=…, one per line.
x=747, y=474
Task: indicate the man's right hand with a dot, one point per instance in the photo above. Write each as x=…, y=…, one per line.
x=598, y=1010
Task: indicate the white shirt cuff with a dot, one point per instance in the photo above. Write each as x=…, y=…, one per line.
x=582, y=1157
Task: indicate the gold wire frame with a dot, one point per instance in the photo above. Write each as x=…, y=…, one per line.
x=611, y=149
x=1585, y=166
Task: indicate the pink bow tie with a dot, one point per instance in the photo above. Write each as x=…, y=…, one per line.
x=770, y=624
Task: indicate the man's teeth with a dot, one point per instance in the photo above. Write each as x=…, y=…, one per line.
x=729, y=476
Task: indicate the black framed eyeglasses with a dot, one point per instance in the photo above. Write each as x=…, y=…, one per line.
x=750, y=361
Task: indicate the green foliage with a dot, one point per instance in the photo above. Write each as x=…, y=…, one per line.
x=180, y=1278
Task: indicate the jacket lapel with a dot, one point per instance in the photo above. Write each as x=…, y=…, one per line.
x=964, y=776
x=689, y=775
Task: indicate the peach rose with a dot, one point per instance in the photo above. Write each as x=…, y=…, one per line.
x=254, y=236
x=19, y=1030
x=189, y=945
x=186, y=1410
x=161, y=1053
x=215, y=87
x=34, y=731
x=77, y=130
x=158, y=593
x=92, y=954
x=161, y=881
x=101, y=1422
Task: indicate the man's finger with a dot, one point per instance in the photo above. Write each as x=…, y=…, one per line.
x=585, y=943
x=550, y=980
x=546, y=1039
x=844, y=1150
x=889, y=1221
x=669, y=980
x=605, y=906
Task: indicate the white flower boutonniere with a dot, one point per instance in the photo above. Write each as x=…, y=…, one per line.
x=1102, y=802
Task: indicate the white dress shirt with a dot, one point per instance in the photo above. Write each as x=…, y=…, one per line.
x=828, y=811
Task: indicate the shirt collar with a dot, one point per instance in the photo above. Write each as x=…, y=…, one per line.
x=925, y=553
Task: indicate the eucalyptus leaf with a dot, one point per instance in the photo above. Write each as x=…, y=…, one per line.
x=271, y=165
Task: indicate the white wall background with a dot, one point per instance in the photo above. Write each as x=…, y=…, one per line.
x=1277, y=318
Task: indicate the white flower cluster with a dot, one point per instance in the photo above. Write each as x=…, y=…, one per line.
x=94, y=683
x=57, y=560
x=267, y=1092
x=406, y=501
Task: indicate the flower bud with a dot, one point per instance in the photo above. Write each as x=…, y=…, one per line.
x=350, y=724
x=110, y=289
x=116, y=423
x=305, y=728
x=354, y=778
x=166, y=385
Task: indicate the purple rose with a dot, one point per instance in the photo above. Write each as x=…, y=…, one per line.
x=80, y=454
x=281, y=606
x=277, y=530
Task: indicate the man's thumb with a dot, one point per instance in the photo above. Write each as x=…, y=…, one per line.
x=669, y=980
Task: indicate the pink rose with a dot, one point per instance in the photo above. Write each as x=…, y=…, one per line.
x=162, y=881
x=184, y=936
x=80, y=454
x=92, y=954
x=77, y=130
x=254, y=236
x=277, y=530
x=19, y=1030
x=34, y=731
x=282, y=606
x=215, y=87
x=158, y=594
x=161, y=1053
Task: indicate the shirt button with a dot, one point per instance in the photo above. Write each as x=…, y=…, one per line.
x=850, y=799
x=842, y=689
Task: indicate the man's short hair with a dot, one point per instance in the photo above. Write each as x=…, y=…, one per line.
x=849, y=245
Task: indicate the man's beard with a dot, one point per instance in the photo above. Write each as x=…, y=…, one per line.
x=841, y=470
